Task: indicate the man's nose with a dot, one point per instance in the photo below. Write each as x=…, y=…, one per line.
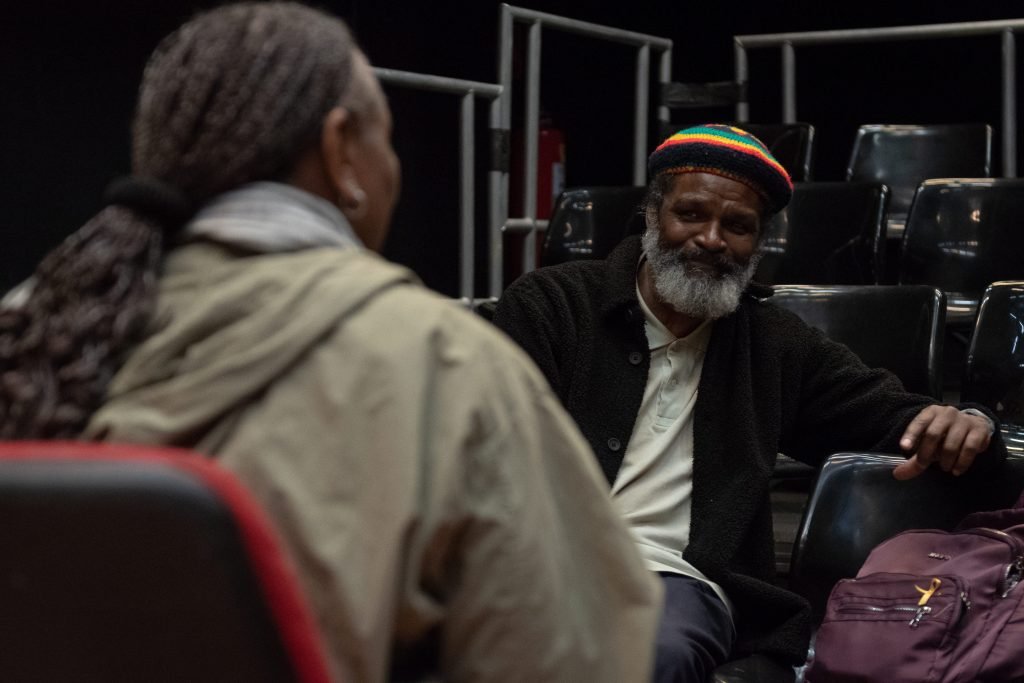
x=710, y=237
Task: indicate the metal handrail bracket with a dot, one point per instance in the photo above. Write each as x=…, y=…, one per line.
x=468, y=91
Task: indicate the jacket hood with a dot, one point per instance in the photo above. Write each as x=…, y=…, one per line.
x=225, y=328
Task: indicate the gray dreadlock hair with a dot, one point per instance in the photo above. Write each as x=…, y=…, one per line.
x=235, y=95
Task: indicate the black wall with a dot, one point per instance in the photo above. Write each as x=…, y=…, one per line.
x=68, y=73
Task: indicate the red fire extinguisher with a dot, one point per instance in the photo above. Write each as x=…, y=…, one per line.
x=550, y=166
x=550, y=183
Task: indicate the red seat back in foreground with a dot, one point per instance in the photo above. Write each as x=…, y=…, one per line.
x=134, y=563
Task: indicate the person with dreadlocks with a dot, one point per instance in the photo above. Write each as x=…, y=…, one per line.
x=444, y=512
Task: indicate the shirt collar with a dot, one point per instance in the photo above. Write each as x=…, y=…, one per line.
x=658, y=335
x=271, y=217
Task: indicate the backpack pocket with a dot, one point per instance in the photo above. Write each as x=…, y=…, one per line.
x=890, y=627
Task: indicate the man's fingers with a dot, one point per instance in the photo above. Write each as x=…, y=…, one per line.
x=944, y=435
x=952, y=446
x=931, y=427
x=976, y=441
x=909, y=469
x=917, y=426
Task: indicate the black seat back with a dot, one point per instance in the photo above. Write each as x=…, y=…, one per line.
x=126, y=571
x=896, y=328
x=588, y=222
x=831, y=233
x=902, y=157
x=963, y=234
x=792, y=145
x=994, y=373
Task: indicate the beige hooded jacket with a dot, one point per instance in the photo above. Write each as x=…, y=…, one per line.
x=440, y=505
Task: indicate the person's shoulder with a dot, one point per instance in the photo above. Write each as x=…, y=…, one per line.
x=443, y=333
x=566, y=277
x=423, y=314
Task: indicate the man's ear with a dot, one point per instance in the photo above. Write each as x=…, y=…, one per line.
x=650, y=216
x=335, y=149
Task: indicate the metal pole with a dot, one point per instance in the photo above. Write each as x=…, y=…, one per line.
x=643, y=96
x=788, y=83
x=467, y=261
x=664, y=78
x=742, y=106
x=870, y=35
x=420, y=81
x=496, y=179
x=531, y=135
x=1009, y=105
x=588, y=29
x=504, y=123
x=505, y=65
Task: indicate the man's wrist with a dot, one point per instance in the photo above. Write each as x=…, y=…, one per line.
x=978, y=413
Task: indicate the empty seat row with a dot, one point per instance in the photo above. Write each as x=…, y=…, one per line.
x=899, y=156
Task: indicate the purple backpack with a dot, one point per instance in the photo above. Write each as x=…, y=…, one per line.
x=931, y=606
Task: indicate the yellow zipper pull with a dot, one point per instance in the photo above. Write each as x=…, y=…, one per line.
x=927, y=594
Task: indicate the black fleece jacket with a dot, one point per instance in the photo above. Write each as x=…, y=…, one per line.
x=770, y=384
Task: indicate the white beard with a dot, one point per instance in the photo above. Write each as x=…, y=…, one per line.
x=694, y=291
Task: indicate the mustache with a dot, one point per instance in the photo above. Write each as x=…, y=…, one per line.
x=720, y=263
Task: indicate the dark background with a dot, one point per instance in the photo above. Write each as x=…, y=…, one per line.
x=68, y=74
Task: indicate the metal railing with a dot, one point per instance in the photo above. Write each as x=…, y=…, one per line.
x=469, y=90
x=536, y=20
x=788, y=41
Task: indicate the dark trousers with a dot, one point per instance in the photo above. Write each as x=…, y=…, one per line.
x=695, y=633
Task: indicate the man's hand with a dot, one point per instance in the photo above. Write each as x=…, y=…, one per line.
x=943, y=435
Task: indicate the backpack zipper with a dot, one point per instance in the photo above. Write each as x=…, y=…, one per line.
x=919, y=612
x=1012, y=577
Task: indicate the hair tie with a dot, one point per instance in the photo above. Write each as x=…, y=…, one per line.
x=152, y=198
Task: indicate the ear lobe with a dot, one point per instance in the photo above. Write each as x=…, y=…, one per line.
x=334, y=149
x=650, y=217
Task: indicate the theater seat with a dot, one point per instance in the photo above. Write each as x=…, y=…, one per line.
x=829, y=234
x=963, y=234
x=856, y=504
x=131, y=563
x=902, y=157
x=994, y=373
x=588, y=222
x=896, y=328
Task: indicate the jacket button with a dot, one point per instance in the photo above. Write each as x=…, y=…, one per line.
x=614, y=444
x=636, y=358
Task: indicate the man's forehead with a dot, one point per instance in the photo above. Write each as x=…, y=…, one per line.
x=705, y=187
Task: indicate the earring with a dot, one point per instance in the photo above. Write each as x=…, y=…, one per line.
x=356, y=206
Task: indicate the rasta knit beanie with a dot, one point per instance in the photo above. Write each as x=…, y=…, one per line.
x=728, y=152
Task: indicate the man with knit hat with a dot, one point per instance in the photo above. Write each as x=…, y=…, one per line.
x=687, y=384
